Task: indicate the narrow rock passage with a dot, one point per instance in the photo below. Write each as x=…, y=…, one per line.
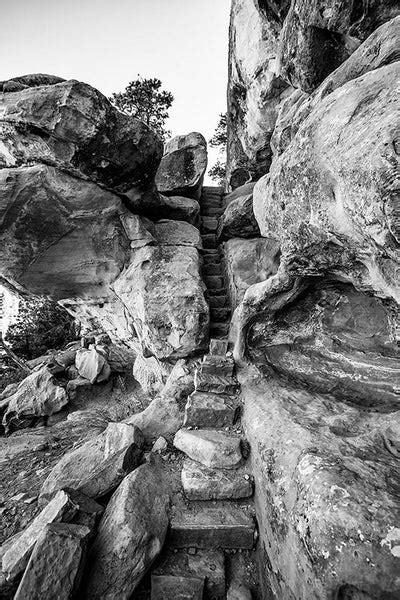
x=211, y=208
x=216, y=524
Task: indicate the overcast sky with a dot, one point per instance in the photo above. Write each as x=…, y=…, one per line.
x=108, y=43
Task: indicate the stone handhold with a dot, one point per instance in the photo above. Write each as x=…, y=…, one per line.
x=72, y=125
x=238, y=220
x=62, y=507
x=174, y=587
x=203, y=564
x=183, y=165
x=210, y=410
x=214, y=449
x=177, y=233
x=202, y=483
x=55, y=565
x=121, y=435
x=130, y=535
x=212, y=528
x=160, y=445
x=238, y=591
x=92, y=365
x=216, y=384
x=249, y=262
x=37, y=395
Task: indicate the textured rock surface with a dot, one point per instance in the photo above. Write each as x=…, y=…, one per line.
x=238, y=219
x=248, y=262
x=177, y=233
x=61, y=546
x=183, y=165
x=130, y=535
x=202, y=483
x=37, y=395
x=214, y=449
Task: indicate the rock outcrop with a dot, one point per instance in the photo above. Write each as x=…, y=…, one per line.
x=66, y=160
x=183, y=165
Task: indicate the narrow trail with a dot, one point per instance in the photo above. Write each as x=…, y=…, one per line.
x=212, y=533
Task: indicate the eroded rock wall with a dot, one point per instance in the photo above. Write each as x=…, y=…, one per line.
x=323, y=330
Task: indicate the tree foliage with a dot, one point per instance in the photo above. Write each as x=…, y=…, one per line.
x=146, y=100
x=41, y=325
x=219, y=141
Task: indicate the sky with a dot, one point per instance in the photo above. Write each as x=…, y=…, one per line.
x=108, y=43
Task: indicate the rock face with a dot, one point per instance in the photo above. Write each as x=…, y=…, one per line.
x=238, y=219
x=130, y=535
x=183, y=165
x=38, y=395
x=66, y=157
x=321, y=321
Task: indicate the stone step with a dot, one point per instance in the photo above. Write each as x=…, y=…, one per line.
x=210, y=411
x=220, y=314
x=201, y=483
x=209, y=240
x=173, y=587
x=209, y=189
x=220, y=329
x=217, y=365
x=211, y=448
x=217, y=384
x=212, y=211
x=203, y=564
x=219, y=292
x=212, y=269
x=215, y=282
x=218, y=347
x=217, y=301
x=209, y=224
x=212, y=528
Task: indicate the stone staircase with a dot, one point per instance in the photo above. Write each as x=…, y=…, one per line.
x=217, y=517
x=211, y=208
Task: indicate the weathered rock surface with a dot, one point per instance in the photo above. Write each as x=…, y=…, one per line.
x=177, y=233
x=170, y=587
x=99, y=465
x=15, y=84
x=183, y=165
x=210, y=410
x=63, y=507
x=238, y=219
x=37, y=395
x=130, y=535
x=179, y=208
x=163, y=292
x=73, y=126
x=151, y=374
x=61, y=547
x=249, y=262
x=213, y=449
x=202, y=483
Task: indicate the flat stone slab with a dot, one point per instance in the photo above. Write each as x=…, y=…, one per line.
x=169, y=587
x=55, y=565
x=201, y=483
x=218, y=365
x=217, y=384
x=214, y=449
x=218, y=347
x=204, y=564
x=212, y=528
x=210, y=410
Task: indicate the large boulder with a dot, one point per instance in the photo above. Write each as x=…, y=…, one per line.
x=130, y=535
x=162, y=290
x=238, y=219
x=249, y=262
x=183, y=165
x=38, y=395
x=72, y=125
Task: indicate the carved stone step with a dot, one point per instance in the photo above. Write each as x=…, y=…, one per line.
x=217, y=301
x=210, y=411
x=218, y=292
x=212, y=528
x=209, y=224
x=212, y=269
x=172, y=587
x=217, y=365
x=205, y=564
x=209, y=240
x=213, y=449
x=217, y=384
x=201, y=483
x=214, y=281
x=220, y=314
x=218, y=347
x=219, y=329
x=212, y=211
